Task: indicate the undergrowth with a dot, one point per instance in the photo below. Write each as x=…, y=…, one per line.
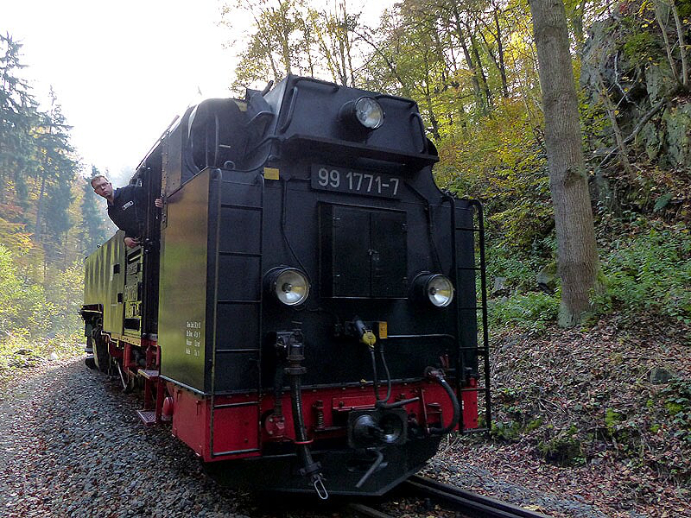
x=18, y=351
x=595, y=380
x=646, y=269
x=649, y=270
x=532, y=311
x=677, y=401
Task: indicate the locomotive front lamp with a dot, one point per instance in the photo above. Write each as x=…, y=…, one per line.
x=365, y=113
x=289, y=285
x=435, y=288
x=440, y=291
x=369, y=112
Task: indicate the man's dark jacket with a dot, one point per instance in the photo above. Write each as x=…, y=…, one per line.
x=128, y=210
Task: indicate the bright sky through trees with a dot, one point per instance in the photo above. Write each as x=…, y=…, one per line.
x=122, y=71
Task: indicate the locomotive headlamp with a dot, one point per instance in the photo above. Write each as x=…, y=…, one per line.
x=435, y=288
x=440, y=291
x=365, y=113
x=289, y=285
x=369, y=112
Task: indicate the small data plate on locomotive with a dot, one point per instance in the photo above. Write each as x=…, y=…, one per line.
x=343, y=179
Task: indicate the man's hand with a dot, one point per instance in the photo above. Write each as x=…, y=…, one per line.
x=158, y=202
x=131, y=242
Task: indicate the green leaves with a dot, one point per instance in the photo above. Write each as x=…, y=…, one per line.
x=677, y=401
x=662, y=202
x=651, y=270
x=533, y=311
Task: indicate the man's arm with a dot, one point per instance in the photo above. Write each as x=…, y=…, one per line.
x=131, y=242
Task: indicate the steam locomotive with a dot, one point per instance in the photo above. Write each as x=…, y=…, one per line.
x=304, y=310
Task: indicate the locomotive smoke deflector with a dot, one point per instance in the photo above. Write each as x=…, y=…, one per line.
x=360, y=125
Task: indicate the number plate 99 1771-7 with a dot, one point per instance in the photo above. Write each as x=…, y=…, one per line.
x=341, y=179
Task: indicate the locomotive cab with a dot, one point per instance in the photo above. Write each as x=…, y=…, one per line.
x=316, y=308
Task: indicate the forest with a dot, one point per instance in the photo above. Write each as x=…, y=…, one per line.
x=47, y=223
x=472, y=67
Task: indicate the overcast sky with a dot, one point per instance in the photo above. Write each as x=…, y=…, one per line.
x=123, y=70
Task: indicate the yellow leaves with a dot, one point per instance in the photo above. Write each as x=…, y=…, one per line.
x=15, y=237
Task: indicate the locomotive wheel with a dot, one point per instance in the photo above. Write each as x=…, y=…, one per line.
x=101, y=356
x=89, y=349
x=131, y=383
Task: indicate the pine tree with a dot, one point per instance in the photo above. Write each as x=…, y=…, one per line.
x=18, y=112
x=93, y=229
x=57, y=169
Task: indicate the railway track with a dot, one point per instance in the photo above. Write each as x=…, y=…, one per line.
x=455, y=499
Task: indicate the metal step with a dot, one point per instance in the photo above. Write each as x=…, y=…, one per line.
x=236, y=351
x=149, y=374
x=148, y=417
x=234, y=405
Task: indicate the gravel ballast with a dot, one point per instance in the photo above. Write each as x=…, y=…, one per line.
x=71, y=445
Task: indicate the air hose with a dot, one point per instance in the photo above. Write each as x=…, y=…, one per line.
x=310, y=469
x=366, y=336
x=438, y=376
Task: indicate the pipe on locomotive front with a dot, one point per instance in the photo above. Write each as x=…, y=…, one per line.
x=294, y=348
x=438, y=376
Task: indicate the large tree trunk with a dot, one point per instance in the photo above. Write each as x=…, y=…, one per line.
x=577, y=253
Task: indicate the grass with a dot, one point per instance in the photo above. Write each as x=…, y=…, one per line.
x=646, y=270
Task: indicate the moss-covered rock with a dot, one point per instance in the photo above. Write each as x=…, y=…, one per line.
x=677, y=122
x=658, y=81
x=649, y=139
x=564, y=449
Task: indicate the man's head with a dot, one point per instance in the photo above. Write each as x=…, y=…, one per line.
x=102, y=186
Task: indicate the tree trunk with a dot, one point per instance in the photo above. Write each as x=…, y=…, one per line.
x=283, y=35
x=481, y=72
x=469, y=61
x=39, y=210
x=428, y=101
x=500, y=52
x=39, y=203
x=576, y=249
x=348, y=69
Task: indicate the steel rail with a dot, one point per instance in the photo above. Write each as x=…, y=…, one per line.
x=367, y=511
x=480, y=506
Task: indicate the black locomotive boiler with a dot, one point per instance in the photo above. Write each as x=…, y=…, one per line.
x=304, y=309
